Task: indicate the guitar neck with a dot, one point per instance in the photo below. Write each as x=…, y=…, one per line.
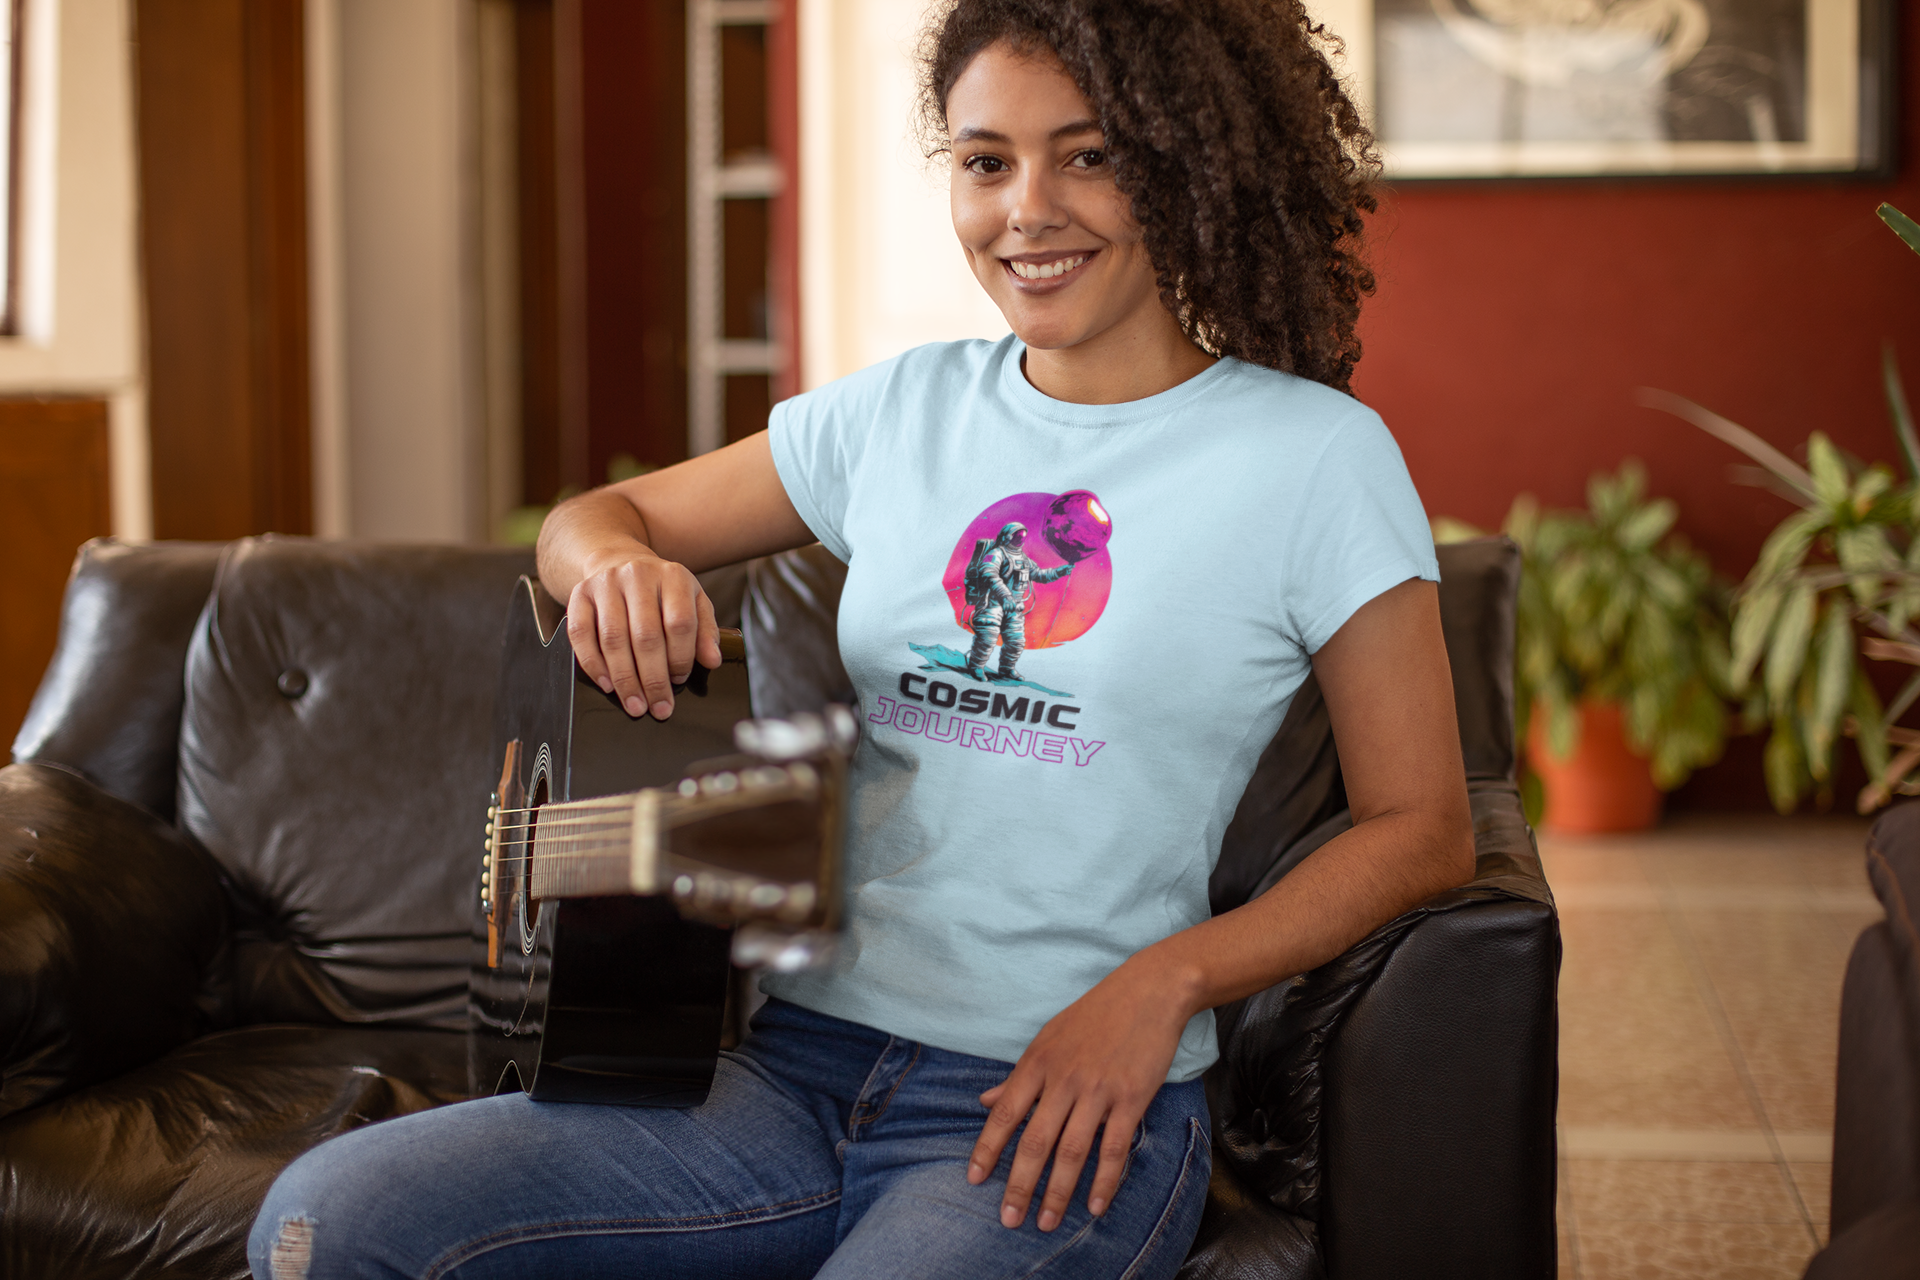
x=714, y=843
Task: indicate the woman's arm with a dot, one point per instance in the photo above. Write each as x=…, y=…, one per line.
x=1389, y=694
x=623, y=558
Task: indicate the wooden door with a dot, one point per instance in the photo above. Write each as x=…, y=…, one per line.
x=53, y=497
x=221, y=90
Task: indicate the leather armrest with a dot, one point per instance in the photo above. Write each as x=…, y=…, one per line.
x=1402, y=1095
x=111, y=919
x=1441, y=1081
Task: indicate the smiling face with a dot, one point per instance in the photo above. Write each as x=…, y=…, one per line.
x=1048, y=233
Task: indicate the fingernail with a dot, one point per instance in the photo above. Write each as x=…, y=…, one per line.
x=1010, y=1216
x=636, y=708
x=1096, y=1206
x=662, y=709
x=976, y=1172
x=1049, y=1219
x=606, y=685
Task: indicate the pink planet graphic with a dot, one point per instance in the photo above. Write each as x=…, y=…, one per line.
x=1063, y=528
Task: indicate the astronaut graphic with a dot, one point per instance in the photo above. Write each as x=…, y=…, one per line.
x=999, y=586
x=1031, y=572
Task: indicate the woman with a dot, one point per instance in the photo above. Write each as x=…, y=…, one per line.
x=1089, y=564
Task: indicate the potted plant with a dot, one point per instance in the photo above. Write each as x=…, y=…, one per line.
x=1836, y=581
x=1622, y=655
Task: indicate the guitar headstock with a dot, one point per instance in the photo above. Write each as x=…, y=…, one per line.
x=755, y=840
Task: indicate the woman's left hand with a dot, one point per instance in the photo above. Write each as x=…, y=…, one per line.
x=1096, y=1064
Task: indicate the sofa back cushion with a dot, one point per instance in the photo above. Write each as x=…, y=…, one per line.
x=109, y=704
x=333, y=759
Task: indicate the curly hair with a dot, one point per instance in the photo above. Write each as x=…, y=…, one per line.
x=1246, y=165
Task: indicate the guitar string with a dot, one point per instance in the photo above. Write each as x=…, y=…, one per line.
x=606, y=817
x=621, y=804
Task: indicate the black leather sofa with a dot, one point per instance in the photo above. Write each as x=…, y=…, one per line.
x=1875, y=1216
x=237, y=862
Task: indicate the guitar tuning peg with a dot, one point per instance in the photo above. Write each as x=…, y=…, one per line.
x=761, y=946
x=841, y=726
x=805, y=734
x=801, y=735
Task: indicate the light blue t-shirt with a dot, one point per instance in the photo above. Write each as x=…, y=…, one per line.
x=1013, y=838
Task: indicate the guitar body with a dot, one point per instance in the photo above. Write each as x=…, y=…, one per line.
x=614, y=999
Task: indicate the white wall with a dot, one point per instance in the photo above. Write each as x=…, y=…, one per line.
x=80, y=285
x=880, y=270
x=398, y=439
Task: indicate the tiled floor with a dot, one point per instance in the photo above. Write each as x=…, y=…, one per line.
x=1699, y=1011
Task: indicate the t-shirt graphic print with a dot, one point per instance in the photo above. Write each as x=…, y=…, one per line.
x=1072, y=630
x=1013, y=592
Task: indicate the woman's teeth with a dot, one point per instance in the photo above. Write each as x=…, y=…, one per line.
x=1045, y=270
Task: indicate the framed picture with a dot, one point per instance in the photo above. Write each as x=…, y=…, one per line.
x=1564, y=88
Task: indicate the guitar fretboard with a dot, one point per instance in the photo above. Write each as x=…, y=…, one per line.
x=618, y=844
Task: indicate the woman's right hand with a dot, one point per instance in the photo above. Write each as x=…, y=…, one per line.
x=623, y=558
x=638, y=623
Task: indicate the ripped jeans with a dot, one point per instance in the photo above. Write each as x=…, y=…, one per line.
x=826, y=1148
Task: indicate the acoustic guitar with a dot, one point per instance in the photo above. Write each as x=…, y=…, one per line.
x=627, y=864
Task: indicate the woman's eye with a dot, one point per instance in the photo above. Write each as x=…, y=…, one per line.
x=985, y=164
x=1091, y=158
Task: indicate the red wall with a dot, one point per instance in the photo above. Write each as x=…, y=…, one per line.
x=1514, y=322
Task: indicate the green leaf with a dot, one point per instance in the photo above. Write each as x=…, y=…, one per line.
x=1753, y=621
x=1447, y=529
x=1533, y=797
x=1870, y=726
x=1648, y=525
x=1523, y=522
x=1897, y=409
x=1829, y=471
x=1903, y=226
x=1833, y=681
x=1787, y=545
x=1787, y=653
x=1668, y=587
x=1786, y=772
x=1873, y=482
x=1563, y=728
x=1864, y=552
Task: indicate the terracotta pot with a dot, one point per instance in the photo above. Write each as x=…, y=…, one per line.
x=1603, y=786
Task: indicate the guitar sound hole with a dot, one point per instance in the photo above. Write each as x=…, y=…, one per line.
x=529, y=905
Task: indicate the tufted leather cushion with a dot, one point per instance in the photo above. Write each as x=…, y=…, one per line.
x=1242, y=1237
x=156, y=1174
x=334, y=760
x=1480, y=588
x=792, y=604
x=109, y=704
x=111, y=922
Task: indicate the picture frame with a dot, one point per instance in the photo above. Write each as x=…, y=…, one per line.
x=1477, y=89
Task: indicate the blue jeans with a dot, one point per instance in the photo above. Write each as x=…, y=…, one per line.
x=826, y=1148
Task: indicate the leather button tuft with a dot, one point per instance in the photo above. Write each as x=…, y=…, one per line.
x=292, y=682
